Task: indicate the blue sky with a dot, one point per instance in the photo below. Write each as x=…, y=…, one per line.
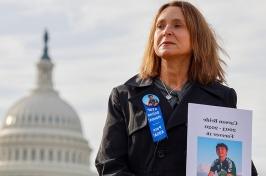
x=97, y=45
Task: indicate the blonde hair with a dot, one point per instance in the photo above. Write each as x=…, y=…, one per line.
x=206, y=64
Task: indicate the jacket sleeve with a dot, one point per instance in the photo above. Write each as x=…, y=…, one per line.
x=112, y=158
x=233, y=103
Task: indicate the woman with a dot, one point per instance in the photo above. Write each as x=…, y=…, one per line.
x=180, y=66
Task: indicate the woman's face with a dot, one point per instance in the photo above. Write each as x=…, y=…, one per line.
x=171, y=37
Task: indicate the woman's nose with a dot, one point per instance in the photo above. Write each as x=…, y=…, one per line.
x=167, y=31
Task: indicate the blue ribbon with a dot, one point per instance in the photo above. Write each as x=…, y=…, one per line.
x=155, y=120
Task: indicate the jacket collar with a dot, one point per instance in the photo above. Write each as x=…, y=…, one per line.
x=213, y=88
x=136, y=81
x=177, y=116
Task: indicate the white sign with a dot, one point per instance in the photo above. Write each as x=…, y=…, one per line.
x=219, y=141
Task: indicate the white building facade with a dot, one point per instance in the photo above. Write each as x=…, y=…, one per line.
x=41, y=134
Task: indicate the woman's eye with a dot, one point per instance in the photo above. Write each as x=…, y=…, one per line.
x=160, y=26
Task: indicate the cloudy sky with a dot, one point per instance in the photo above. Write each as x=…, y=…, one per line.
x=97, y=45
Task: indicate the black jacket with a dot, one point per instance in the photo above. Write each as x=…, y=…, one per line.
x=127, y=148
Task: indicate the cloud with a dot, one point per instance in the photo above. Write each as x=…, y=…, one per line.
x=8, y=45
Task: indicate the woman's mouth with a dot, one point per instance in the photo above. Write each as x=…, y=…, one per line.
x=165, y=43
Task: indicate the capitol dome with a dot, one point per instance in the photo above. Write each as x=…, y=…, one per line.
x=41, y=134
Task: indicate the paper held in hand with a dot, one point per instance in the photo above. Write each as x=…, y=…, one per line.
x=219, y=141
